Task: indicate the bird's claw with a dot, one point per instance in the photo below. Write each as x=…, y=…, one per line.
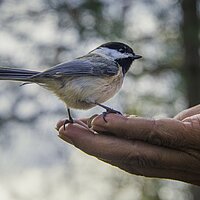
x=68, y=121
x=110, y=110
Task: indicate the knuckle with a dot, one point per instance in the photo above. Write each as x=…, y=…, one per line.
x=144, y=161
x=160, y=134
x=138, y=158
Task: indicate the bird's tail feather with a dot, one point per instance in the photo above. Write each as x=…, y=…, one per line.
x=16, y=74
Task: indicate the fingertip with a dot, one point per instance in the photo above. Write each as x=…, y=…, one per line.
x=73, y=130
x=66, y=129
x=66, y=139
x=111, y=119
x=60, y=123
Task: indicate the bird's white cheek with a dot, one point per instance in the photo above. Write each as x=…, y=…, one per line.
x=111, y=53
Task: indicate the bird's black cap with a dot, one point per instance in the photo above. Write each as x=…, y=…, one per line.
x=121, y=47
x=118, y=46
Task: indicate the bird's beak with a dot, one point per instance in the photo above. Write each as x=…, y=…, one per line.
x=136, y=57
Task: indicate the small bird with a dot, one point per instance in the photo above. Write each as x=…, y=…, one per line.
x=84, y=82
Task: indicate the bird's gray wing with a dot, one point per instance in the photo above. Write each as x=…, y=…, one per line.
x=91, y=65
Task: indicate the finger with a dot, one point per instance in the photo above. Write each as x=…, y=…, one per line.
x=81, y=137
x=89, y=121
x=66, y=139
x=181, y=175
x=61, y=122
x=129, y=153
x=121, y=124
x=157, y=172
x=188, y=112
x=86, y=121
x=166, y=132
x=194, y=120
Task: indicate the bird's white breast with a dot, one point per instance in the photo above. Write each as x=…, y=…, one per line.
x=82, y=92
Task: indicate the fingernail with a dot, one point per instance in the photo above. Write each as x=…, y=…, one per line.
x=90, y=120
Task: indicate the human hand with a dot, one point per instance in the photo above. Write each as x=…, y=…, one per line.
x=163, y=148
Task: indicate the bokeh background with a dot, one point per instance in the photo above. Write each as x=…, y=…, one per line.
x=34, y=162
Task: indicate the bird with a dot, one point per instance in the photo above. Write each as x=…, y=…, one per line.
x=84, y=82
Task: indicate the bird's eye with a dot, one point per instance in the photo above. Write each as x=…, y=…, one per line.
x=122, y=50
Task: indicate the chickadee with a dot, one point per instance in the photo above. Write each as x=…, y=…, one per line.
x=86, y=81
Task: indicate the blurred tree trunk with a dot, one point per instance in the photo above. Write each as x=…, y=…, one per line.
x=190, y=32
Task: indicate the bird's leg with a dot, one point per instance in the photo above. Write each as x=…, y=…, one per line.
x=108, y=110
x=69, y=115
x=70, y=120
